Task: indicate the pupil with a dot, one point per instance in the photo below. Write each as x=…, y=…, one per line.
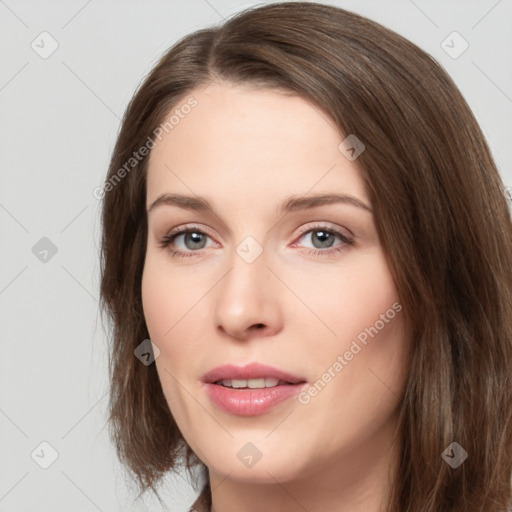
x=196, y=239
x=323, y=234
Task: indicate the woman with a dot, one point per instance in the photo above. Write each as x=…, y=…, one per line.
x=306, y=258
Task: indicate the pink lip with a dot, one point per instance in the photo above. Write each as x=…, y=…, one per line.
x=250, y=371
x=250, y=402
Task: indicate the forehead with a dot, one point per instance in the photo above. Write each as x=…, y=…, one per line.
x=248, y=144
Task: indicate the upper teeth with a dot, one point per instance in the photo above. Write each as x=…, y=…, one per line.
x=268, y=382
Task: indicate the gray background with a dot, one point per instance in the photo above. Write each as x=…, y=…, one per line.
x=59, y=119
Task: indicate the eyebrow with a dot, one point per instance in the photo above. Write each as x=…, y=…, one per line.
x=291, y=204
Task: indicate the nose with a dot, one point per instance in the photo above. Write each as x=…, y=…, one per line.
x=247, y=300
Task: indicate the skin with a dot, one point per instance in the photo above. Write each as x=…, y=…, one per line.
x=246, y=150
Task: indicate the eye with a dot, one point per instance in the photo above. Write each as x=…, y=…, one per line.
x=194, y=239
x=322, y=237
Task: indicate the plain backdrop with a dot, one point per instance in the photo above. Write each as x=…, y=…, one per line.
x=60, y=115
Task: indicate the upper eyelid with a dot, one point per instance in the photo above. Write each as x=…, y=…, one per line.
x=175, y=232
x=328, y=226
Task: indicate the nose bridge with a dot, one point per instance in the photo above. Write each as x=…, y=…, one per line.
x=249, y=275
x=246, y=295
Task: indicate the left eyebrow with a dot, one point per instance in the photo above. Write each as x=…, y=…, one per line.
x=291, y=204
x=303, y=203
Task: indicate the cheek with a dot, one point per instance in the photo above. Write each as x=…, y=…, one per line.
x=360, y=372
x=344, y=301
x=165, y=304
x=163, y=297
x=155, y=303
x=360, y=320
x=171, y=306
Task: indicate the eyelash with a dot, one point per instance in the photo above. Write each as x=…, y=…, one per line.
x=169, y=239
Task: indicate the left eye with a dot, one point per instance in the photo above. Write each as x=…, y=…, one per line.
x=325, y=237
x=195, y=240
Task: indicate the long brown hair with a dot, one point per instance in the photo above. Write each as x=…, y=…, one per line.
x=440, y=211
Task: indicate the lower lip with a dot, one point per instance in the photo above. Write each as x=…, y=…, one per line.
x=250, y=402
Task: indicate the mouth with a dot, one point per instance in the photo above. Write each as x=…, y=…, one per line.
x=250, y=390
x=254, y=375
x=259, y=383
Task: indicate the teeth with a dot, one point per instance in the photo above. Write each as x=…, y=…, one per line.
x=268, y=382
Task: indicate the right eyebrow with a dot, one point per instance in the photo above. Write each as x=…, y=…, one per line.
x=182, y=201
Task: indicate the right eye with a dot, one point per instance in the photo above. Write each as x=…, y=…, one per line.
x=192, y=236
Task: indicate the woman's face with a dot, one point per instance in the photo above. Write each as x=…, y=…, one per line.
x=266, y=275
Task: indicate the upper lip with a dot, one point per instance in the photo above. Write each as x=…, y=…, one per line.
x=250, y=371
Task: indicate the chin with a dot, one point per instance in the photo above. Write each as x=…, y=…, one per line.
x=244, y=462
